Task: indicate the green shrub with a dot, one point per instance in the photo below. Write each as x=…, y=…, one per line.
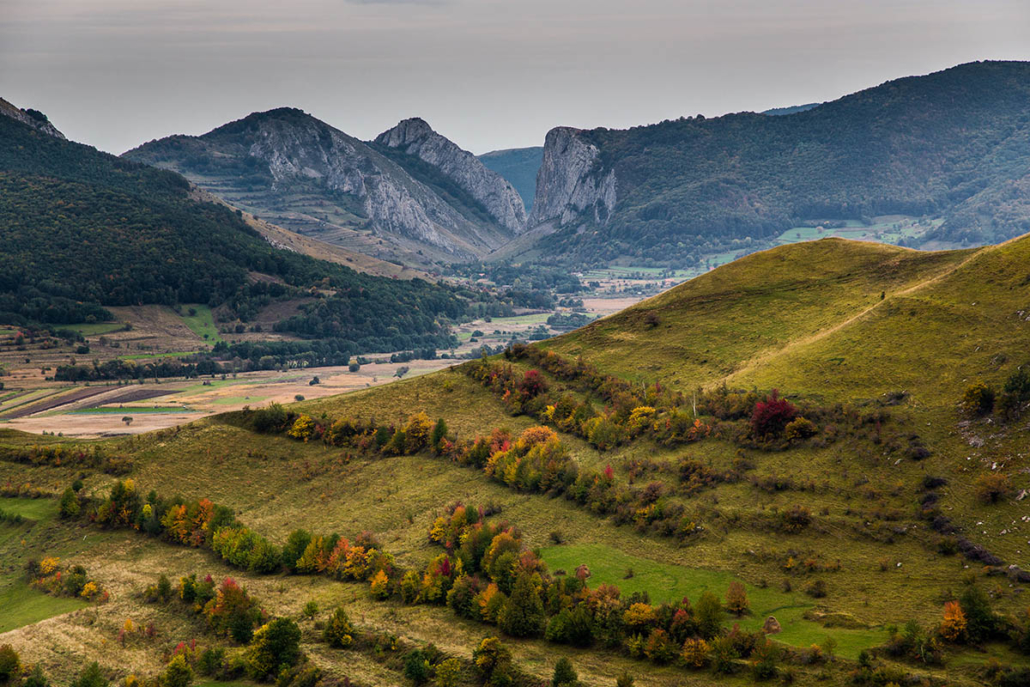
x=564, y=674
x=338, y=633
x=10, y=663
x=275, y=646
x=91, y=677
x=416, y=667
x=523, y=614
x=178, y=673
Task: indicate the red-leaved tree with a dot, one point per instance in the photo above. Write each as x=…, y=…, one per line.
x=771, y=416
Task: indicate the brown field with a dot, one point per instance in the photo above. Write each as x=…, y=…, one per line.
x=184, y=401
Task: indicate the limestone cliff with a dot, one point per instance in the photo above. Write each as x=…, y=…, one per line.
x=572, y=186
x=498, y=197
x=303, y=174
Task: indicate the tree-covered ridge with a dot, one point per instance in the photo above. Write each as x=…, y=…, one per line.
x=952, y=144
x=83, y=229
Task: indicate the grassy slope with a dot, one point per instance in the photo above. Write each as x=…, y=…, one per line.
x=710, y=326
x=20, y=604
x=796, y=322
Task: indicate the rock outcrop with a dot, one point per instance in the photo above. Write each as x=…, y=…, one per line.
x=34, y=118
x=500, y=199
x=303, y=174
x=572, y=186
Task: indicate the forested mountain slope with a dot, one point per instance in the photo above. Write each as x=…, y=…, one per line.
x=953, y=145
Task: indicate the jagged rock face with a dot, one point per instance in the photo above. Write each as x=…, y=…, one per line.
x=306, y=148
x=415, y=137
x=316, y=179
x=571, y=185
x=37, y=120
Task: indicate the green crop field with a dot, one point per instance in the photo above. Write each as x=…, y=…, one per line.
x=97, y=328
x=202, y=323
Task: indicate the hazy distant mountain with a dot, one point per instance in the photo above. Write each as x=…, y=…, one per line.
x=519, y=166
x=793, y=109
x=300, y=173
x=954, y=145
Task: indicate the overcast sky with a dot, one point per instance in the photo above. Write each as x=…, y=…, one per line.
x=488, y=74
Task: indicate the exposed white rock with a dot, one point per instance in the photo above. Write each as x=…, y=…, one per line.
x=415, y=137
x=299, y=148
x=571, y=185
x=39, y=122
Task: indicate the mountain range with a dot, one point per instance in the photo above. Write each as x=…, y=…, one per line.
x=950, y=147
x=411, y=194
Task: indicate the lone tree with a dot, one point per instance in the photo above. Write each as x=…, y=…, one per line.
x=127, y=420
x=275, y=645
x=736, y=599
x=564, y=674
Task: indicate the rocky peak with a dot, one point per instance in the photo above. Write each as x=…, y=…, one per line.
x=311, y=164
x=500, y=199
x=34, y=118
x=571, y=185
x=407, y=132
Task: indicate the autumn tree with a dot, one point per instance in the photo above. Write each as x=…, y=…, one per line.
x=736, y=599
x=695, y=652
x=978, y=399
x=380, y=586
x=771, y=416
x=303, y=427
x=416, y=433
x=953, y=626
x=338, y=633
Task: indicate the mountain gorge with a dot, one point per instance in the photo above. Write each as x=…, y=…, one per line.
x=300, y=173
x=951, y=145
x=949, y=148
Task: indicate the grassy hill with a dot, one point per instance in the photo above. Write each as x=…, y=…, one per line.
x=949, y=145
x=852, y=533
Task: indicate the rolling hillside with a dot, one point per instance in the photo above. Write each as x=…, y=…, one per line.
x=667, y=468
